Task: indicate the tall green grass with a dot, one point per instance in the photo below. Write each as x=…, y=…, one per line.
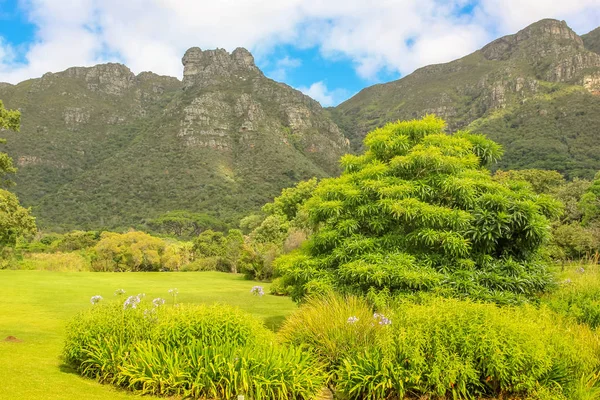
x=190, y=351
x=446, y=348
x=578, y=294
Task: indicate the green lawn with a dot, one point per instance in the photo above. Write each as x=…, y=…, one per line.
x=35, y=306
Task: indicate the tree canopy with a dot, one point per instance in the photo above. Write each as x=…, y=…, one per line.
x=590, y=203
x=419, y=211
x=15, y=220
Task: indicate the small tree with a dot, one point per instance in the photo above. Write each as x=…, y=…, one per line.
x=418, y=211
x=590, y=203
x=15, y=221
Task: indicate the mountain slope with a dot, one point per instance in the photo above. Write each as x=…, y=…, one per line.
x=591, y=40
x=543, y=77
x=101, y=147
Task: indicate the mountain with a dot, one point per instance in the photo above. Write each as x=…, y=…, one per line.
x=536, y=92
x=102, y=147
x=591, y=40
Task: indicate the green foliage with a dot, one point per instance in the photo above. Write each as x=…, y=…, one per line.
x=291, y=199
x=541, y=181
x=590, y=202
x=572, y=241
x=218, y=252
x=446, y=348
x=15, y=221
x=58, y=261
x=137, y=251
x=10, y=120
x=188, y=351
x=322, y=326
x=570, y=194
x=419, y=212
x=578, y=295
x=184, y=223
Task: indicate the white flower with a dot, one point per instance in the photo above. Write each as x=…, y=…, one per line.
x=352, y=320
x=131, y=302
x=96, y=299
x=158, y=302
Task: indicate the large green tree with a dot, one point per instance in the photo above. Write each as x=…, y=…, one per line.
x=419, y=211
x=590, y=203
x=15, y=220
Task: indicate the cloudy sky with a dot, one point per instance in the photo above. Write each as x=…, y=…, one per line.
x=329, y=49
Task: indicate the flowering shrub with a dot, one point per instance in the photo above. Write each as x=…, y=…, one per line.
x=187, y=351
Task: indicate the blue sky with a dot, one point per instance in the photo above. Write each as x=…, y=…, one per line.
x=328, y=49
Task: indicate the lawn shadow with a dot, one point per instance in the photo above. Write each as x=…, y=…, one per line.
x=67, y=369
x=274, y=322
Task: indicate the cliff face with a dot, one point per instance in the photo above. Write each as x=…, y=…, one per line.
x=101, y=146
x=544, y=63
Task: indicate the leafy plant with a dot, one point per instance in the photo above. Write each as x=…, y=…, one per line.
x=189, y=351
x=418, y=211
x=444, y=347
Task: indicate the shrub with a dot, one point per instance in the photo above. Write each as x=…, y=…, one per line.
x=419, y=211
x=189, y=351
x=55, y=262
x=578, y=295
x=131, y=251
x=75, y=240
x=445, y=347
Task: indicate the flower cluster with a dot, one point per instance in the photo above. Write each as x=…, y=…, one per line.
x=580, y=270
x=96, y=299
x=257, y=290
x=173, y=292
x=352, y=320
x=131, y=302
x=158, y=302
x=119, y=292
x=383, y=320
x=141, y=295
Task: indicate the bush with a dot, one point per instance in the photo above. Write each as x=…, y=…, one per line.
x=131, y=251
x=444, y=347
x=55, y=262
x=420, y=212
x=578, y=295
x=189, y=351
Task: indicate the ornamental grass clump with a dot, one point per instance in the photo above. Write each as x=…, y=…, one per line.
x=578, y=296
x=189, y=351
x=446, y=348
x=420, y=212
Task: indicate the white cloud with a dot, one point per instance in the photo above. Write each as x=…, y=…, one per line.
x=282, y=66
x=395, y=35
x=323, y=95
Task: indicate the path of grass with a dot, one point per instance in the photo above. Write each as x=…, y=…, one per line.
x=35, y=305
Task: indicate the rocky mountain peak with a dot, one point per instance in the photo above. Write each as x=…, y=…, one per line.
x=204, y=67
x=548, y=37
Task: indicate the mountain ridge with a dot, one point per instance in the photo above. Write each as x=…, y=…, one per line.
x=498, y=79
x=101, y=146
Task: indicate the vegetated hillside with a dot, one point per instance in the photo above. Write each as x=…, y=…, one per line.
x=102, y=147
x=536, y=92
x=591, y=40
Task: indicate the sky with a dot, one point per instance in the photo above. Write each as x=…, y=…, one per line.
x=328, y=49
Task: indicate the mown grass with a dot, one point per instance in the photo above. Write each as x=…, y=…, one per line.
x=36, y=305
